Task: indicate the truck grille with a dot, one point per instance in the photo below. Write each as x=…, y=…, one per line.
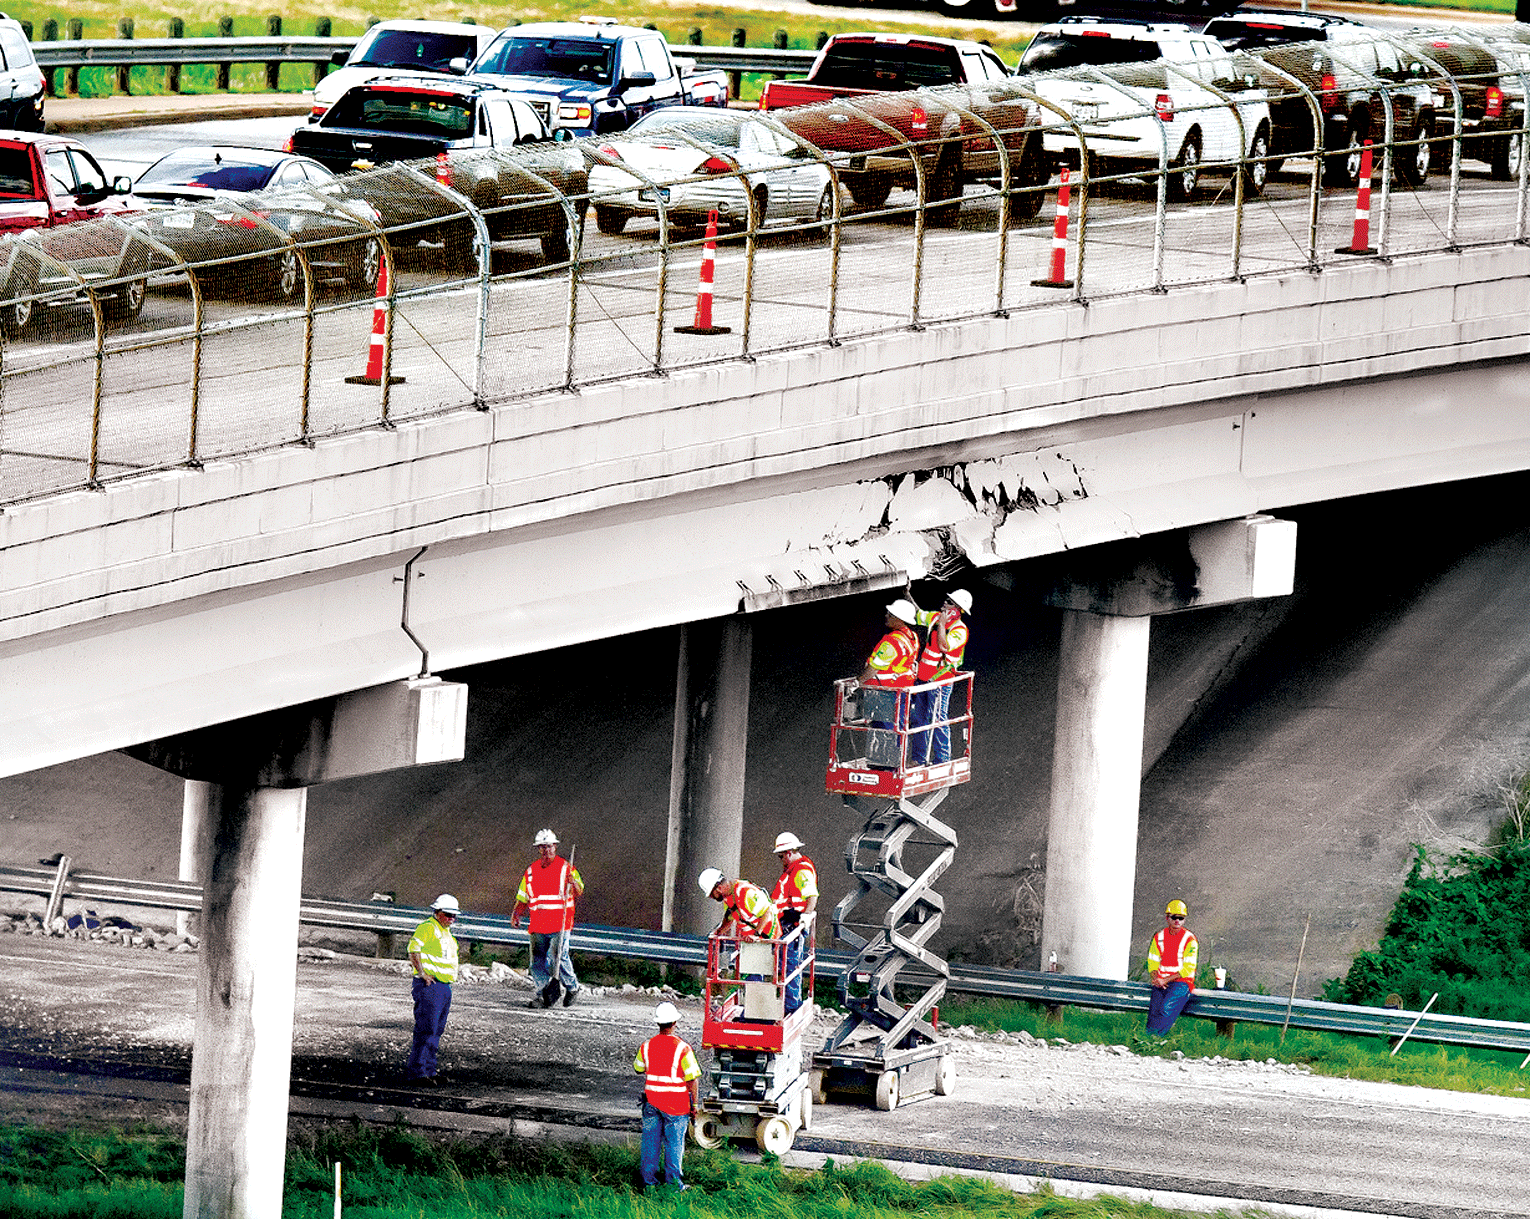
x=544, y=112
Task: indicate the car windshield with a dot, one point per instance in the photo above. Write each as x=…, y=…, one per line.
x=882, y=65
x=218, y=171
x=16, y=172
x=585, y=59
x=720, y=129
x=1050, y=51
x=403, y=49
x=1240, y=34
x=411, y=111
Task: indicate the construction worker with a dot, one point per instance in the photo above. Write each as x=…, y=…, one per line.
x=942, y=656
x=1171, y=969
x=896, y=656
x=549, y=888
x=433, y=956
x=796, y=900
x=749, y=913
x=670, y=1097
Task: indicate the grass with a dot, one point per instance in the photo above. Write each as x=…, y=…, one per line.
x=1451, y=1068
x=392, y=1172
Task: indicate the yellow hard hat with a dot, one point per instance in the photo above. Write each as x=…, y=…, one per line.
x=1176, y=907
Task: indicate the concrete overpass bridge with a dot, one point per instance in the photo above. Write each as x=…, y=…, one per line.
x=268, y=621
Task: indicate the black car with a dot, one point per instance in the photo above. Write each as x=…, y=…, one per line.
x=471, y=135
x=1491, y=93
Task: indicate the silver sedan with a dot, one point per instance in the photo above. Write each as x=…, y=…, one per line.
x=698, y=159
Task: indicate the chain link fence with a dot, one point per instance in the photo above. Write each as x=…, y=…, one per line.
x=176, y=335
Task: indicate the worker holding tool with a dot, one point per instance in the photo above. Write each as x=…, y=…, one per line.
x=549, y=888
x=749, y=913
x=1171, y=969
x=670, y=1096
x=795, y=897
x=433, y=956
x=942, y=656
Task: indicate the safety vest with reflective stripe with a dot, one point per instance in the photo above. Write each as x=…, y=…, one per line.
x=893, y=661
x=796, y=886
x=756, y=913
x=668, y=1064
x=936, y=661
x=547, y=890
x=1173, y=954
x=437, y=948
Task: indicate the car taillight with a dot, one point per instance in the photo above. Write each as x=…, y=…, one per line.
x=1494, y=102
x=714, y=165
x=318, y=111
x=1163, y=106
x=610, y=151
x=287, y=145
x=1328, y=93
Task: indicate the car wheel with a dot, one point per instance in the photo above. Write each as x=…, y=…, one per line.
x=1343, y=167
x=1029, y=183
x=128, y=301
x=286, y=276
x=871, y=191
x=823, y=214
x=943, y=200
x=610, y=221
x=17, y=315
x=1256, y=169
x=1185, y=177
x=361, y=272
x=1506, y=163
x=1415, y=159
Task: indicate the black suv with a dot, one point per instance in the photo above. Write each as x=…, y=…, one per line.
x=1346, y=66
x=1492, y=99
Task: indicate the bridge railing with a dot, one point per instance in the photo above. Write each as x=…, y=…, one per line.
x=673, y=948
x=172, y=336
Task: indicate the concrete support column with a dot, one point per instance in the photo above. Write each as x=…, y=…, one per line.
x=194, y=799
x=1096, y=784
x=252, y=867
x=706, y=785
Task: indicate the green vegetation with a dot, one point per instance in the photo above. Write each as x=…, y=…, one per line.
x=1460, y=930
x=395, y=1173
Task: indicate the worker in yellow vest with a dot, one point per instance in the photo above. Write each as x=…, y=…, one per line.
x=942, y=657
x=796, y=901
x=1172, y=959
x=670, y=1097
x=433, y=957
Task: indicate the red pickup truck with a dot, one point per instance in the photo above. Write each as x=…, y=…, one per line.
x=875, y=74
x=48, y=183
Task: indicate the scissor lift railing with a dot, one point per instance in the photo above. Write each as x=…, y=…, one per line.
x=886, y=1045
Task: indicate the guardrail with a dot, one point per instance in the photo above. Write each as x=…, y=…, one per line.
x=152, y=52
x=672, y=948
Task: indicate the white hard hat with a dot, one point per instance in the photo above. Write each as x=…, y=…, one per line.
x=962, y=598
x=666, y=1013
x=904, y=610
x=786, y=841
x=447, y=903
x=708, y=879
x=545, y=838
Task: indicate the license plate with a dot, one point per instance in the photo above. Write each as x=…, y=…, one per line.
x=647, y=195
x=1086, y=111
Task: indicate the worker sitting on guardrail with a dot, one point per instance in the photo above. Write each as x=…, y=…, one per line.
x=1172, y=960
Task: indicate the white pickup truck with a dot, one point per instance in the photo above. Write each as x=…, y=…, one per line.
x=1171, y=93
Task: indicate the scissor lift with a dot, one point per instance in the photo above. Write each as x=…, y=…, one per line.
x=755, y=1086
x=885, y=1048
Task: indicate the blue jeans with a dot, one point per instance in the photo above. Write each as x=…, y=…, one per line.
x=663, y=1132
x=933, y=744
x=1164, y=1006
x=555, y=949
x=796, y=950
x=431, y=1003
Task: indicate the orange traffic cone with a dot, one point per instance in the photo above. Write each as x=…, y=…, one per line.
x=1360, y=243
x=1059, y=277
x=443, y=169
x=379, y=341
x=703, y=321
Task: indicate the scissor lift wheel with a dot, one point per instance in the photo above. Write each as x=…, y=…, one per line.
x=945, y=1076
x=887, y=1091
x=708, y=1132
x=774, y=1134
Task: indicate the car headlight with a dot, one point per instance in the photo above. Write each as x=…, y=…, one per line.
x=574, y=112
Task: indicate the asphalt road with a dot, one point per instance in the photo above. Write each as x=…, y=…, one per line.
x=1190, y=1133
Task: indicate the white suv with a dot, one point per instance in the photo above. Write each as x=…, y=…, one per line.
x=1170, y=96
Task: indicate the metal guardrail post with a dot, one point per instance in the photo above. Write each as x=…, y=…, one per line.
x=225, y=30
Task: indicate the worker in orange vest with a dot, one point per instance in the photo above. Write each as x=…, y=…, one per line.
x=670, y=1097
x=548, y=890
x=891, y=665
x=1172, y=958
x=749, y=913
x=942, y=656
x=796, y=900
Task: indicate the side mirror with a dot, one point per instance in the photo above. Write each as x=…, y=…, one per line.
x=458, y=66
x=122, y=185
x=638, y=78
x=337, y=58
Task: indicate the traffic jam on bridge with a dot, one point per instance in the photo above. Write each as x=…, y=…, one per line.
x=906, y=179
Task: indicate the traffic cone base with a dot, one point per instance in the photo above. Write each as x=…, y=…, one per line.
x=703, y=320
